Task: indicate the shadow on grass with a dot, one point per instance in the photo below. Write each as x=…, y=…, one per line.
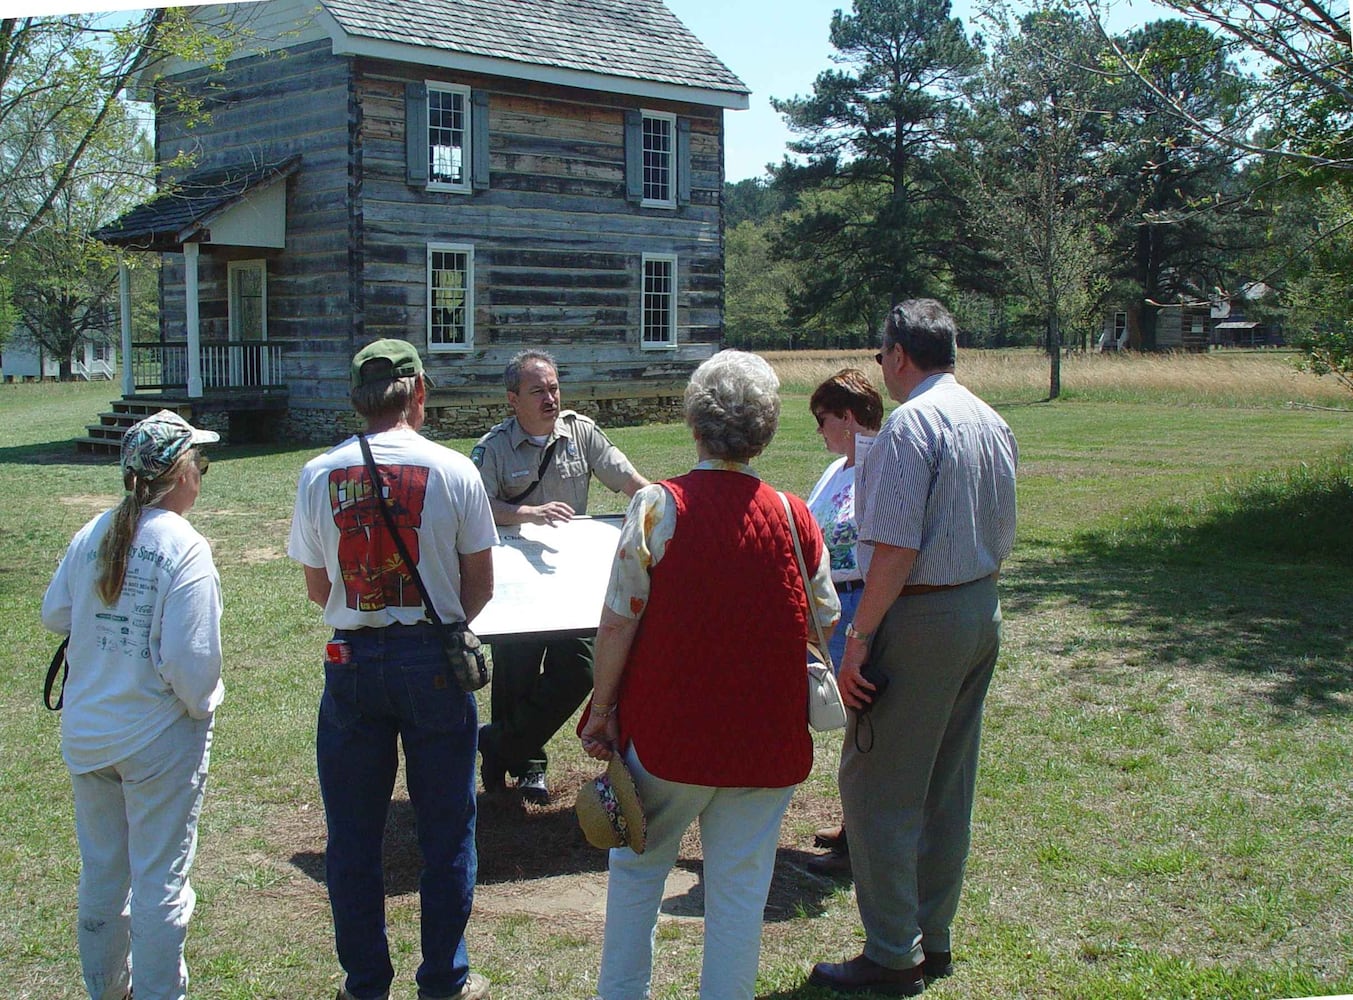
x=520, y=844
x=1255, y=581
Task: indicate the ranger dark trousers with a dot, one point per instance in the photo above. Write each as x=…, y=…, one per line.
x=537, y=686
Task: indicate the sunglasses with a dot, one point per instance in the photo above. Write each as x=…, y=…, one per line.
x=202, y=462
x=878, y=358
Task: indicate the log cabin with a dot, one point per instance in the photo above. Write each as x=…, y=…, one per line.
x=474, y=176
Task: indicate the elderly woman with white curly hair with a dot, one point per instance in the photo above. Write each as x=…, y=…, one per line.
x=700, y=680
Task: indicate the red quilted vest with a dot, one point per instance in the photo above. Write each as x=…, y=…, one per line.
x=714, y=691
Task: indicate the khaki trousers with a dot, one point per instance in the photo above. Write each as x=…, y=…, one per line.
x=908, y=799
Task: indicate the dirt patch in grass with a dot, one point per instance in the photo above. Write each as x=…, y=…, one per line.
x=90, y=503
x=533, y=860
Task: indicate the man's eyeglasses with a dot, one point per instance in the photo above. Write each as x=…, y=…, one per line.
x=878, y=358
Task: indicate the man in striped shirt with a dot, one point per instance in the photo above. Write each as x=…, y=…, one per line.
x=935, y=501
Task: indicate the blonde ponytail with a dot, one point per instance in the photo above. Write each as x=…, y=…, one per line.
x=116, y=546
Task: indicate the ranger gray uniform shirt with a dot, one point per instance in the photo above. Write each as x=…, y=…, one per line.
x=509, y=460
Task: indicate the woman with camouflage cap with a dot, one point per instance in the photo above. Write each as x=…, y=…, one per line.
x=140, y=598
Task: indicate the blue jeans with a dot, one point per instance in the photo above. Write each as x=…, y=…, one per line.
x=397, y=688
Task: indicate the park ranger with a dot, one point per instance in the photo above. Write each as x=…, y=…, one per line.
x=537, y=466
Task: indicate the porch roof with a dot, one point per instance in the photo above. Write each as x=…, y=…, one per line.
x=184, y=213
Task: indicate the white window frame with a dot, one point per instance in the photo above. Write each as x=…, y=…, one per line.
x=656, y=156
x=234, y=268
x=467, y=138
x=435, y=347
x=669, y=340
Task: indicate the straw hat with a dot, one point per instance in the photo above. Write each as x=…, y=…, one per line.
x=609, y=810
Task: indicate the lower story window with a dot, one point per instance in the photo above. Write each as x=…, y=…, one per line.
x=450, y=297
x=659, y=322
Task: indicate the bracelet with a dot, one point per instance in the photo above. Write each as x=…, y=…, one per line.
x=597, y=710
x=851, y=633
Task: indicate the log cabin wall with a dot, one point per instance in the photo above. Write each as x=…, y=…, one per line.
x=266, y=108
x=557, y=247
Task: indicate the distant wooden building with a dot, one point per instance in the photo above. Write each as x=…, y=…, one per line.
x=474, y=176
x=23, y=359
x=1183, y=327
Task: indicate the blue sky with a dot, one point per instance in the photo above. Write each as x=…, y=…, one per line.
x=781, y=55
x=777, y=48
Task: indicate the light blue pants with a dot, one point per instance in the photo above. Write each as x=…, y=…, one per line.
x=908, y=800
x=136, y=822
x=739, y=831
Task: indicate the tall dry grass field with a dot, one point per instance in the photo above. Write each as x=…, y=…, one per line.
x=1219, y=378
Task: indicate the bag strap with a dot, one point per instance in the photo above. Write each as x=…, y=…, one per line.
x=58, y=663
x=540, y=474
x=377, y=484
x=803, y=576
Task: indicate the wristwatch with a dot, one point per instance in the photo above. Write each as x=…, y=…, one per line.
x=851, y=633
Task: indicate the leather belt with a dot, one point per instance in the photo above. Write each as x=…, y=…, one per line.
x=912, y=589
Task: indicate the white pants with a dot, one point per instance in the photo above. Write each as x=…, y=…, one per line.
x=136, y=822
x=739, y=831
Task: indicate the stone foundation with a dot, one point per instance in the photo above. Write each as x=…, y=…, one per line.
x=328, y=427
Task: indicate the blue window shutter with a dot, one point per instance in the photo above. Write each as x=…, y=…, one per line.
x=479, y=140
x=416, y=132
x=634, y=156
x=683, y=161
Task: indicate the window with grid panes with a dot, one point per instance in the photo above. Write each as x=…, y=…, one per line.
x=659, y=300
x=450, y=297
x=659, y=158
x=448, y=137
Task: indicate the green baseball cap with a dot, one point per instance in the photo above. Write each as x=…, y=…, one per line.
x=383, y=360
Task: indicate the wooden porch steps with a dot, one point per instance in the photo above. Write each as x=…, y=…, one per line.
x=105, y=437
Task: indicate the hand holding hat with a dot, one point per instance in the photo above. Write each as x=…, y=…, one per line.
x=609, y=810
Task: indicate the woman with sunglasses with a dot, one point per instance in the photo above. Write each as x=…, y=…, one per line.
x=140, y=598
x=847, y=408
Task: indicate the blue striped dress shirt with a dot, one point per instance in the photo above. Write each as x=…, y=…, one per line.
x=940, y=478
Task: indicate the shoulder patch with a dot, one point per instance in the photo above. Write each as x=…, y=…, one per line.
x=477, y=455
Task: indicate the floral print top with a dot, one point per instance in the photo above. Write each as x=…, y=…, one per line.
x=832, y=504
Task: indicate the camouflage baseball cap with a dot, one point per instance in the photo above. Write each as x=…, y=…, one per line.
x=152, y=445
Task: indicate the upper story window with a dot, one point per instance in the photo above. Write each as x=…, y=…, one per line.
x=450, y=281
x=448, y=137
x=657, y=159
x=659, y=143
x=446, y=133
x=659, y=300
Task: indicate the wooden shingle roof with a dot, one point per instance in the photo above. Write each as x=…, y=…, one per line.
x=184, y=211
x=635, y=40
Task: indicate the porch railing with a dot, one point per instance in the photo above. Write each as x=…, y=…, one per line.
x=89, y=372
x=228, y=364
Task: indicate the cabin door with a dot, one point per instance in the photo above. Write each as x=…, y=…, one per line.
x=248, y=323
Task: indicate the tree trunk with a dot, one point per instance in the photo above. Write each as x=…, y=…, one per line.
x=1055, y=356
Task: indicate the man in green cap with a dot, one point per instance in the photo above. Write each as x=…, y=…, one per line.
x=386, y=681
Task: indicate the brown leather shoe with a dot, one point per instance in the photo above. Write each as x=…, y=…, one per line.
x=834, y=864
x=864, y=975
x=831, y=838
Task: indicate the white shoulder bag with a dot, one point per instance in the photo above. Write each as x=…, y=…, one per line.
x=826, y=711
